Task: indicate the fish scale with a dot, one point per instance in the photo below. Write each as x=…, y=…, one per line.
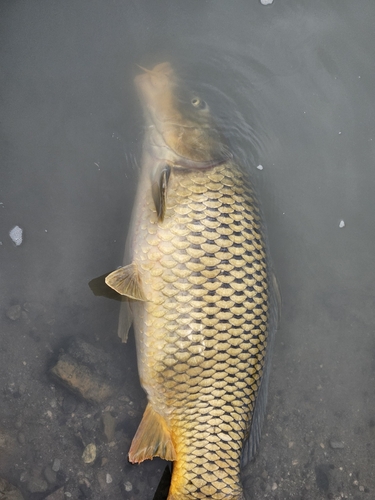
x=201, y=294
x=204, y=270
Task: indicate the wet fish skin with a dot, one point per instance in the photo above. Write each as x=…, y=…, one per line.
x=204, y=313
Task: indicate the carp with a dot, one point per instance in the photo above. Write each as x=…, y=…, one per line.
x=201, y=292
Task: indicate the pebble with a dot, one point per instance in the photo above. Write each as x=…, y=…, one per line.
x=274, y=487
x=101, y=480
x=50, y=475
x=128, y=486
x=37, y=485
x=24, y=477
x=56, y=465
x=85, y=490
x=21, y=438
x=124, y=399
x=22, y=386
x=342, y=223
x=260, y=167
x=266, y=2
x=16, y=235
x=108, y=479
x=109, y=425
x=89, y=454
x=89, y=424
x=336, y=445
x=14, y=312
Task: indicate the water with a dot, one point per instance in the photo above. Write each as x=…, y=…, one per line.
x=292, y=84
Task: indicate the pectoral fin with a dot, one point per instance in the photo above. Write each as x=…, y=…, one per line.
x=159, y=190
x=125, y=281
x=152, y=439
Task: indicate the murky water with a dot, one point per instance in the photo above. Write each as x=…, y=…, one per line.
x=293, y=86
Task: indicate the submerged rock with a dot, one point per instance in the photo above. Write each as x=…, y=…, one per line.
x=37, y=485
x=50, y=475
x=87, y=371
x=8, y=491
x=81, y=379
x=56, y=495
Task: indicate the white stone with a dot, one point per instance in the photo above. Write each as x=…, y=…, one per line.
x=128, y=486
x=16, y=235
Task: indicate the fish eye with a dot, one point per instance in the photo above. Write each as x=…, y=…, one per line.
x=198, y=103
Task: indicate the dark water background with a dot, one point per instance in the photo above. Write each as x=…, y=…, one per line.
x=293, y=84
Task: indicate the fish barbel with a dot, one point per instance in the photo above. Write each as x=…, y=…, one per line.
x=200, y=290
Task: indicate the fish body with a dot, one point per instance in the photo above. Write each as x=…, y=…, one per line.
x=201, y=294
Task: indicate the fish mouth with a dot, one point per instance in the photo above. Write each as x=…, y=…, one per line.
x=155, y=87
x=158, y=76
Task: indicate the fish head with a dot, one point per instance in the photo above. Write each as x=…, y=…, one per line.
x=181, y=120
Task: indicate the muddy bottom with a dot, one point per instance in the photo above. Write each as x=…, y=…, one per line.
x=70, y=410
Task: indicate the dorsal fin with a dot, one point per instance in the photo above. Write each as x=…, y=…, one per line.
x=126, y=281
x=152, y=439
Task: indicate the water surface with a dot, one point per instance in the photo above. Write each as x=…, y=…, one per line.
x=293, y=87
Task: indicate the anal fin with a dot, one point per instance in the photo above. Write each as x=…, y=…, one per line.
x=126, y=281
x=152, y=439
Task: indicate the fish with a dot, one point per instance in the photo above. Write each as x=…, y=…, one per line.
x=200, y=289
